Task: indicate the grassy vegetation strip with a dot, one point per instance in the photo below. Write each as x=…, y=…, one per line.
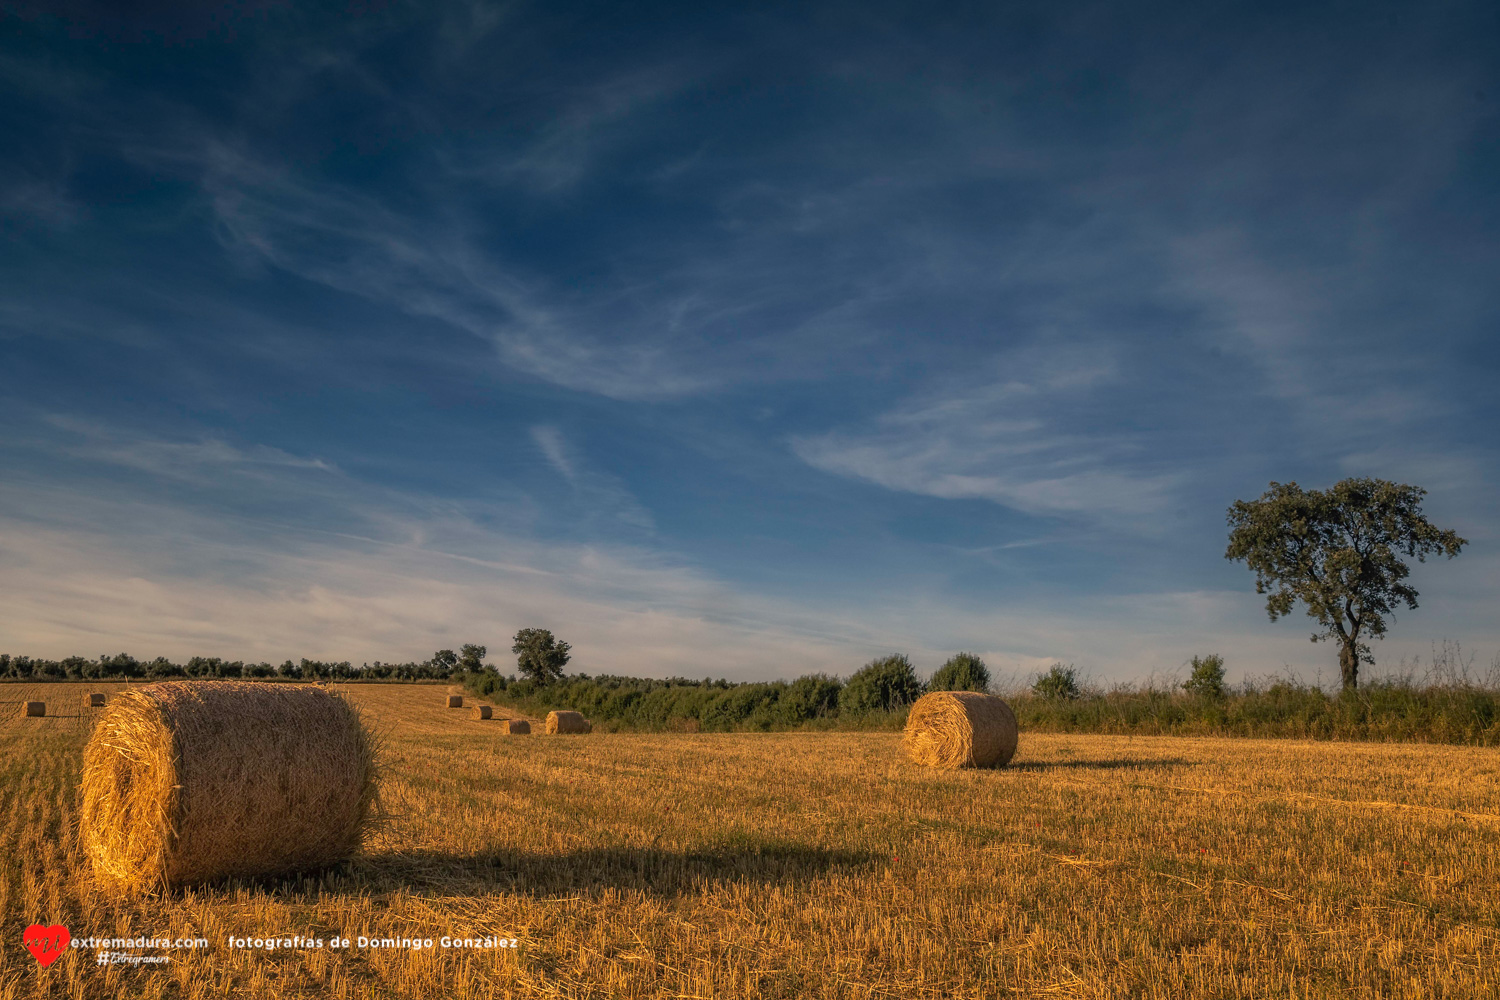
x=1380, y=712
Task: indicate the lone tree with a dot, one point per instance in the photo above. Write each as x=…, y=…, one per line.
x=471, y=657
x=539, y=655
x=1337, y=551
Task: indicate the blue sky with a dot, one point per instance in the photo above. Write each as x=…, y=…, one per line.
x=743, y=343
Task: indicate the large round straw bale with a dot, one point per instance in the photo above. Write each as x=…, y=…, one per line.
x=34, y=709
x=482, y=711
x=188, y=781
x=455, y=701
x=567, y=722
x=961, y=729
x=518, y=726
x=96, y=699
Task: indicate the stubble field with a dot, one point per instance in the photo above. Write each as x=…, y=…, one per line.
x=810, y=865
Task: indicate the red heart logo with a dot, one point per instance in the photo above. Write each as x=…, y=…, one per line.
x=47, y=943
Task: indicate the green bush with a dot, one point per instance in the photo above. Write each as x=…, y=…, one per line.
x=815, y=696
x=1058, y=683
x=1207, y=679
x=882, y=685
x=962, y=672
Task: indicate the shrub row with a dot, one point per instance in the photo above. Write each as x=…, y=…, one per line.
x=1380, y=710
x=681, y=704
x=877, y=697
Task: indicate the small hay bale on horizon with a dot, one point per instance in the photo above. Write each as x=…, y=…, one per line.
x=34, y=709
x=455, y=701
x=948, y=729
x=482, y=711
x=96, y=699
x=191, y=781
x=567, y=722
x=519, y=727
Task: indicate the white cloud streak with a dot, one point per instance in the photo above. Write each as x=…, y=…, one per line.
x=1002, y=441
x=353, y=243
x=604, y=497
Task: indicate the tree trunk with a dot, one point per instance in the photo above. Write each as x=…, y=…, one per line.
x=1349, y=663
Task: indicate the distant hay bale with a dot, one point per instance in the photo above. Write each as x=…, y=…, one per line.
x=34, y=709
x=96, y=699
x=189, y=781
x=567, y=722
x=518, y=726
x=482, y=712
x=949, y=729
x=455, y=701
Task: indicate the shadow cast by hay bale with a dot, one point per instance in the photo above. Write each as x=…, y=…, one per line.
x=1110, y=764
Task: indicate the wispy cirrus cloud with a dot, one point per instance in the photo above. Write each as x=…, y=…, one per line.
x=1008, y=441
x=356, y=244
x=590, y=120
x=172, y=459
x=601, y=495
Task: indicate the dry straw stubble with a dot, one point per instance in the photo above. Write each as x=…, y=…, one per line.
x=188, y=781
x=948, y=729
x=567, y=722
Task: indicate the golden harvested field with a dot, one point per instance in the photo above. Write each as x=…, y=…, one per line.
x=813, y=865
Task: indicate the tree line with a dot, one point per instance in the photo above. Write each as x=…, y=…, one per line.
x=1449, y=705
x=123, y=666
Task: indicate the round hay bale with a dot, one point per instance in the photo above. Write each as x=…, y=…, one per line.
x=518, y=726
x=455, y=701
x=949, y=729
x=567, y=722
x=482, y=712
x=34, y=709
x=189, y=781
x=96, y=699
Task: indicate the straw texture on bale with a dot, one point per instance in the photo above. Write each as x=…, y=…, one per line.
x=455, y=701
x=35, y=709
x=950, y=729
x=483, y=711
x=96, y=700
x=518, y=726
x=189, y=781
x=567, y=722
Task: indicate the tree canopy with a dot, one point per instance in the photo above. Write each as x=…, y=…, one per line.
x=1337, y=551
x=540, y=656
